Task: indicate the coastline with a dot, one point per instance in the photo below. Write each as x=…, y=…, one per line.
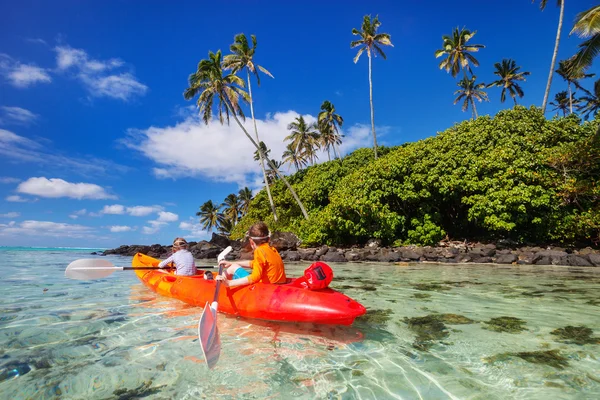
x=288, y=245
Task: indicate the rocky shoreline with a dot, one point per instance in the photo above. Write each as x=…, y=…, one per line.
x=288, y=245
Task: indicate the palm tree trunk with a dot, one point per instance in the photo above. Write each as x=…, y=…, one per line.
x=262, y=164
x=273, y=167
x=474, y=109
x=372, y=110
x=570, y=100
x=560, y=21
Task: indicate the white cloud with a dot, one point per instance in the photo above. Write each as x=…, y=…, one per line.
x=142, y=211
x=195, y=230
x=165, y=216
x=22, y=75
x=114, y=209
x=21, y=149
x=17, y=115
x=221, y=152
x=7, y=179
x=120, y=228
x=10, y=215
x=36, y=40
x=78, y=213
x=96, y=75
x=55, y=188
x=16, y=199
x=46, y=228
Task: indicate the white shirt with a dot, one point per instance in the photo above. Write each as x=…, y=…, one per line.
x=184, y=262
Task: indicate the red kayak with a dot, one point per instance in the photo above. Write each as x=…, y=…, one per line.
x=284, y=302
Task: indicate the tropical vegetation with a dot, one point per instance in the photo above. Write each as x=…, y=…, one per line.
x=516, y=175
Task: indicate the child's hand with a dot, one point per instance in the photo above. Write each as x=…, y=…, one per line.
x=225, y=264
x=223, y=279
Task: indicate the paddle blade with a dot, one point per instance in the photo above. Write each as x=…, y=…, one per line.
x=208, y=332
x=90, y=268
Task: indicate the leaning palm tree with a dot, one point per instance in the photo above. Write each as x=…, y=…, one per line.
x=210, y=215
x=245, y=196
x=561, y=4
x=561, y=102
x=592, y=102
x=469, y=92
x=232, y=208
x=328, y=123
x=225, y=226
x=265, y=151
x=304, y=137
x=572, y=76
x=292, y=156
x=509, y=75
x=458, y=52
x=271, y=173
x=587, y=25
x=209, y=83
x=242, y=57
x=370, y=41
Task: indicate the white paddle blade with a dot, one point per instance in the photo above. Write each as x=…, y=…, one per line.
x=208, y=332
x=90, y=268
x=222, y=254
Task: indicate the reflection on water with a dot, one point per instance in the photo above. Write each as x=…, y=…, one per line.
x=431, y=332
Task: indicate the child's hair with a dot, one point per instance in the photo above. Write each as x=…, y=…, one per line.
x=259, y=233
x=180, y=243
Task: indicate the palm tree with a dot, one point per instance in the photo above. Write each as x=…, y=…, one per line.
x=271, y=173
x=304, y=138
x=561, y=102
x=329, y=122
x=242, y=57
x=561, y=4
x=210, y=85
x=265, y=151
x=509, y=75
x=210, y=215
x=592, y=102
x=457, y=52
x=245, y=196
x=371, y=41
x=572, y=76
x=587, y=25
x=293, y=157
x=232, y=209
x=225, y=226
x=469, y=92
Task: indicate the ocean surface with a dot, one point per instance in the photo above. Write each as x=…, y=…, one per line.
x=431, y=332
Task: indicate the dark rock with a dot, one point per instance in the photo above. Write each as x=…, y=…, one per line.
x=526, y=258
x=390, y=256
x=307, y=254
x=586, y=251
x=292, y=255
x=551, y=253
x=482, y=252
x=542, y=260
x=94, y=253
x=321, y=251
x=372, y=255
x=463, y=258
x=333, y=257
x=409, y=254
x=354, y=255
x=573, y=261
x=285, y=241
x=220, y=240
x=506, y=258
x=594, y=259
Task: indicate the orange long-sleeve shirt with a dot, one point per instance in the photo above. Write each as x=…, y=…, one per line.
x=267, y=266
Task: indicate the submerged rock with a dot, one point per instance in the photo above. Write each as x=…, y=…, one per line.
x=576, y=334
x=552, y=358
x=505, y=324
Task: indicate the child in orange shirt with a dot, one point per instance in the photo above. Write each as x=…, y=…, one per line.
x=267, y=265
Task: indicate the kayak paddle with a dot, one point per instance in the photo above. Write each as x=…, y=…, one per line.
x=208, y=333
x=95, y=268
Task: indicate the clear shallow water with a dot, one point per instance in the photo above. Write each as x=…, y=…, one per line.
x=115, y=339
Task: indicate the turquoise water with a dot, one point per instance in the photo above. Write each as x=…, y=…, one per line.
x=431, y=333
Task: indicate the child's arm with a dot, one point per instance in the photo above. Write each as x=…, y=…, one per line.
x=163, y=263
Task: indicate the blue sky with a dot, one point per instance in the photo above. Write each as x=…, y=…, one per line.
x=99, y=148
